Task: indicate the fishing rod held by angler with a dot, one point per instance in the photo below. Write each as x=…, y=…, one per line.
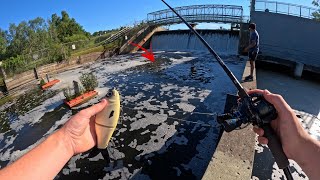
x=242, y=92
x=250, y=109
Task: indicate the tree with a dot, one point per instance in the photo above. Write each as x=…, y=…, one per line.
x=64, y=27
x=316, y=14
x=18, y=38
x=3, y=43
x=39, y=38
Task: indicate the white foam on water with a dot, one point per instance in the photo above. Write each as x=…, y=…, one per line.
x=34, y=115
x=161, y=134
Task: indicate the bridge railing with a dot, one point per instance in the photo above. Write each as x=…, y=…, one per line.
x=285, y=8
x=199, y=13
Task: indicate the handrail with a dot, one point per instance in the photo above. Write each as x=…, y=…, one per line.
x=285, y=8
x=199, y=13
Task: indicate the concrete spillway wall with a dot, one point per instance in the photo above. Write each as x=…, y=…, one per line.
x=224, y=42
x=288, y=37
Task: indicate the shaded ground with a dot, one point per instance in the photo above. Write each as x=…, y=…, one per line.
x=158, y=137
x=303, y=96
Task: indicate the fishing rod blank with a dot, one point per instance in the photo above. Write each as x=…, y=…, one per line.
x=242, y=92
x=257, y=111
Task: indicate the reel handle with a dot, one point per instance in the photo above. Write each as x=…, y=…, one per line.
x=275, y=146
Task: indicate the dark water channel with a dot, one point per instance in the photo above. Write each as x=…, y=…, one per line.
x=153, y=140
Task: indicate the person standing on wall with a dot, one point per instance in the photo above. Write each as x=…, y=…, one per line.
x=252, y=49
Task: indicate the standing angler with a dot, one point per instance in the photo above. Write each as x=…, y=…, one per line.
x=253, y=49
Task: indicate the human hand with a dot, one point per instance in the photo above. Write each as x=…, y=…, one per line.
x=245, y=50
x=286, y=125
x=79, y=131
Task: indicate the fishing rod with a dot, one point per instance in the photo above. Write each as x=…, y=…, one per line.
x=250, y=109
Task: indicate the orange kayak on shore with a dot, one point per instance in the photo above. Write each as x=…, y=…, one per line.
x=50, y=84
x=81, y=99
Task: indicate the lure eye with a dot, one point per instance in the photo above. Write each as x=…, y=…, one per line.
x=109, y=94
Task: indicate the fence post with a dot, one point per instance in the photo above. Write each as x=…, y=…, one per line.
x=300, y=11
x=35, y=73
x=47, y=77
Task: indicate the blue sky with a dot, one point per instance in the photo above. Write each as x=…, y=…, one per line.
x=101, y=14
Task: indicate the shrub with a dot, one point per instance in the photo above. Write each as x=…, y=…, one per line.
x=89, y=81
x=42, y=82
x=14, y=63
x=58, y=53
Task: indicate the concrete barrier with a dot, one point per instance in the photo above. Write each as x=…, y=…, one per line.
x=233, y=158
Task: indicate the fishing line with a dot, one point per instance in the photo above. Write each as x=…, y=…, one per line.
x=178, y=119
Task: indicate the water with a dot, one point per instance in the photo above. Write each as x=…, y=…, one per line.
x=223, y=42
x=149, y=143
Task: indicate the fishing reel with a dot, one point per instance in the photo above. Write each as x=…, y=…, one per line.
x=254, y=109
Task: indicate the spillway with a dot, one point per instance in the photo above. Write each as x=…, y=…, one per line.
x=224, y=42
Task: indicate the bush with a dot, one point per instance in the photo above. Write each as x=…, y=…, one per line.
x=14, y=63
x=89, y=81
x=42, y=82
x=57, y=53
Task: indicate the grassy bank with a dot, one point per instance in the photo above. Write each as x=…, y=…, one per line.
x=6, y=99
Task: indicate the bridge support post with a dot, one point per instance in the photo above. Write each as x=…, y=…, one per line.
x=253, y=6
x=243, y=37
x=298, y=70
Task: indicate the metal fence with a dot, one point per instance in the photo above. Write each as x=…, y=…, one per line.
x=285, y=8
x=199, y=13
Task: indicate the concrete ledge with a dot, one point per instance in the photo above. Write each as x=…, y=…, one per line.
x=233, y=158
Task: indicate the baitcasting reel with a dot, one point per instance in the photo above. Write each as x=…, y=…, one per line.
x=254, y=109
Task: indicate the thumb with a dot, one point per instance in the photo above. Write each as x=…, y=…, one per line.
x=95, y=109
x=276, y=99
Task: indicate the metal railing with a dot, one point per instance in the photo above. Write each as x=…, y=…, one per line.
x=199, y=13
x=285, y=8
x=117, y=35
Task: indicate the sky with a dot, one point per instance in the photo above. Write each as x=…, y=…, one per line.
x=98, y=15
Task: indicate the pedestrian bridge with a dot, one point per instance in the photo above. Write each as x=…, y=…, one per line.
x=198, y=14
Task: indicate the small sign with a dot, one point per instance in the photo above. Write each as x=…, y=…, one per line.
x=73, y=46
x=126, y=37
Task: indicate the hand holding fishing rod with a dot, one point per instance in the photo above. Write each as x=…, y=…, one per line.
x=250, y=109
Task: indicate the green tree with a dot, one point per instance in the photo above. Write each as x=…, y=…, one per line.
x=64, y=27
x=40, y=38
x=18, y=38
x=37, y=35
x=3, y=44
x=316, y=14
